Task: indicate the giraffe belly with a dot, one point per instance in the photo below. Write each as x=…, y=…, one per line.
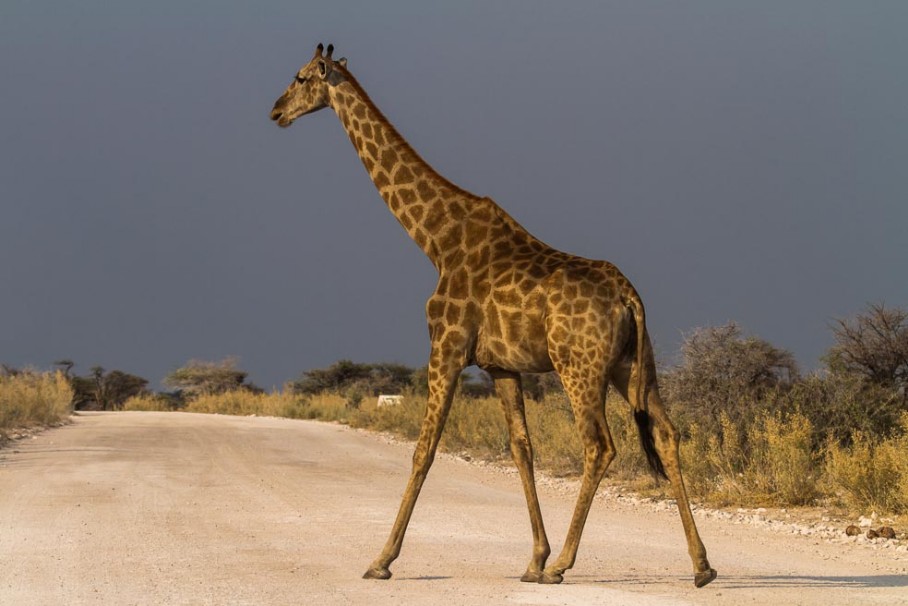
x=523, y=350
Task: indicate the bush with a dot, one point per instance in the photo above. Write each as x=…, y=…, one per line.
x=404, y=419
x=200, y=378
x=771, y=462
x=477, y=424
x=101, y=389
x=724, y=373
x=323, y=407
x=556, y=445
x=871, y=473
x=345, y=375
x=873, y=345
x=243, y=402
x=839, y=405
x=151, y=402
x=783, y=467
x=30, y=399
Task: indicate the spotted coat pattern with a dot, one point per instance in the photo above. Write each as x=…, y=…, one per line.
x=508, y=303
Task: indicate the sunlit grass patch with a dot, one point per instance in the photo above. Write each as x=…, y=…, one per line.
x=31, y=399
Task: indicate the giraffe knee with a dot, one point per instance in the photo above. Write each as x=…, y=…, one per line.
x=423, y=457
x=599, y=456
x=670, y=436
x=608, y=455
x=667, y=440
x=521, y=447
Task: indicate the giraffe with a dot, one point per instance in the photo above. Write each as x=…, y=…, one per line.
x=510, y=304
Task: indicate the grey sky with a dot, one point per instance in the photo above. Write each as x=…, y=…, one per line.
x=737, y=161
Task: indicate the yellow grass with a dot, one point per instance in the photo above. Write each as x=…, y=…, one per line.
x=872, y=473
x=245, y=403
x=769, y=462
x=33, y=399
x=149, y=402
x=477, y=426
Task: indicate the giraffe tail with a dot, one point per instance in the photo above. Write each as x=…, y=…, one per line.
x=639, y=374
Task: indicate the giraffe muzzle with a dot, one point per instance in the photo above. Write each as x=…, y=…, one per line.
x=278, y=115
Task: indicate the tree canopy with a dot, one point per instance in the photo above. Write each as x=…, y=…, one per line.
x=199, y=377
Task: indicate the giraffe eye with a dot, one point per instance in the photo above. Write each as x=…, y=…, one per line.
x=301, y=79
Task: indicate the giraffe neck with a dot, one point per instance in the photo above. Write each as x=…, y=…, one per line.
x=426, y=204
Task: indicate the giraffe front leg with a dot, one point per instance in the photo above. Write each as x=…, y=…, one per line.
x=443, y=374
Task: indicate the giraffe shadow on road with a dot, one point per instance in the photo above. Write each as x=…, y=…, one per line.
x=815, y=581
x=765, y=581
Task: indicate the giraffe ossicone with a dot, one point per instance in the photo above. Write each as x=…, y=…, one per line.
x=508, y=303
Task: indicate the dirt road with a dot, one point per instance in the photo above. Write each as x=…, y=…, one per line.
x=167, y=508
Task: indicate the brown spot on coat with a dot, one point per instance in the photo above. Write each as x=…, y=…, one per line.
x=403, y=176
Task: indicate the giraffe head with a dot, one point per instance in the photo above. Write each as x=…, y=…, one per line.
x=309, y=90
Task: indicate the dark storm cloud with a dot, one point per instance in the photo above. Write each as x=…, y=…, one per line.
x=738, y=162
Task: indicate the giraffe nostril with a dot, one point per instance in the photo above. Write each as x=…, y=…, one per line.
x=276, y=114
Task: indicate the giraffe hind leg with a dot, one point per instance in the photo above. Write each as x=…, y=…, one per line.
x=510, y=390
x=588, y=403
x=665, y=439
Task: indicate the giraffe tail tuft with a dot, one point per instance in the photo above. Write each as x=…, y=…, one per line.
x=649, y=445
x=641, y=414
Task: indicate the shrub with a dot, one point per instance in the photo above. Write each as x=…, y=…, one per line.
x=783, y=467
x=556, y=445
x=346, y=375
x=200, y=378
x=102, y=389
x=771, y=462
x=724, y=373
x=30, y=399
x=243, y=402
x=477, y=424
x=872, y=472
x=839, y=405
x=873, y=345
x=150, y=402
x=404, y=419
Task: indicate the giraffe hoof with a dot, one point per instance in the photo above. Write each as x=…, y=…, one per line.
x=377, y=573
x=704, y=578
x=532, y=576
x=551, y=578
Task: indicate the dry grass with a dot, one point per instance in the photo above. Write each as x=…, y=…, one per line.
x=324, y=407
x=769, y=462
x=32, y=399
x=871, y=474
x=477, y=426
x=244, y=403
x=148, y=402
x=328, y=407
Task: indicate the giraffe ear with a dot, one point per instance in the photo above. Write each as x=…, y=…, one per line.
x=322, y=69
x=342, y=62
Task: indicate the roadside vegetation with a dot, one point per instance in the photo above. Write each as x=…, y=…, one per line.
x=756, y=431
x=32, y=399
